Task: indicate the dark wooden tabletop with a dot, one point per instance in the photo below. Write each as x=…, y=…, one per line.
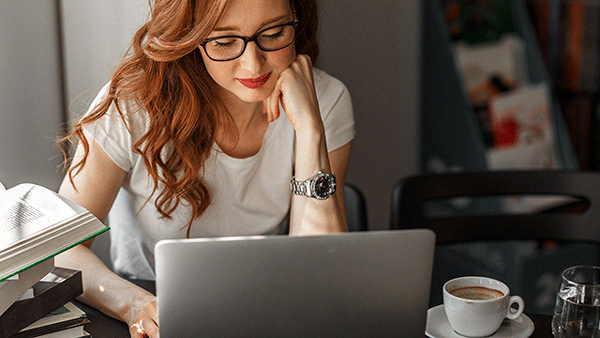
x=102, y=326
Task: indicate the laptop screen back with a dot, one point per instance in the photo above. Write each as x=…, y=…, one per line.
x=360, y=284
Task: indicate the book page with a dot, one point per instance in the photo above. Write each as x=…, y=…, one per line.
x=27, y=209
x=483, y=65
x=522, y=118
x=66, y=312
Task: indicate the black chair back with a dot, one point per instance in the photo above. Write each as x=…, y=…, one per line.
x=356, y=208
x=410, y=195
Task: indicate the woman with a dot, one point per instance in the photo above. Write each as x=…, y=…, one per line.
x=208, y=128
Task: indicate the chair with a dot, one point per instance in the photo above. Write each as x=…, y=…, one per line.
x=356, y=208
x=575, y=220
x=410, y=195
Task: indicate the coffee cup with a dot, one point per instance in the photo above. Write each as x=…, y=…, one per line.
x=476, y=306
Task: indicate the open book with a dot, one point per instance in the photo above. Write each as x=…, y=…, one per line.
x=36, y=224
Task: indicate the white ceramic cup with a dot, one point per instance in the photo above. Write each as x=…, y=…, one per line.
x=473, y=317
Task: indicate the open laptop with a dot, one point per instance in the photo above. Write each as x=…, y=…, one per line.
x=359, y=284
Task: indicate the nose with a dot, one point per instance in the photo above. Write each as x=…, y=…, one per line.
x=253, y=58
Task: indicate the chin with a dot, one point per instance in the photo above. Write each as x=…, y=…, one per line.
x=254, y=95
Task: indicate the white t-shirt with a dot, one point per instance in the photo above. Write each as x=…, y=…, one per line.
x=250, y=196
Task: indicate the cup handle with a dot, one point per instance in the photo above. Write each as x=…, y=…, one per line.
x=514, y=314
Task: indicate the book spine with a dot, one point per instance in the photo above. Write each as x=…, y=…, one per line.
x=589, y=78
x=76, y=322
x=23, y=313
x=573, y=58
x=540, y=11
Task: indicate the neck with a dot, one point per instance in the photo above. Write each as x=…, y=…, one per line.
x=243, y=114
x=240, y=134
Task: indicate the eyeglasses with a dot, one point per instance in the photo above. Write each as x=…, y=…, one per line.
x=227, y=48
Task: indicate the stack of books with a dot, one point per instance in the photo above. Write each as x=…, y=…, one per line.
x=47, y=308
x=35, y=296
x=66, y=321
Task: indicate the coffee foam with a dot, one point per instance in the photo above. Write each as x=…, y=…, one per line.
x=476, y=293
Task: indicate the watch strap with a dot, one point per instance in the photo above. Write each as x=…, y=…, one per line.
x=307, y=188
x=300, y=187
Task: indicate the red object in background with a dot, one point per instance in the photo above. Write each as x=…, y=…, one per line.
x=506, y=132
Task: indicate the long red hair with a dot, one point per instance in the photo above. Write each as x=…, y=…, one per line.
x=164, y=74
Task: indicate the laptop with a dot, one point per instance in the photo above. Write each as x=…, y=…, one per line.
x=358, y=284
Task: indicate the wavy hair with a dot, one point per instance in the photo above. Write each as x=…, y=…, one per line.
x=164, y=74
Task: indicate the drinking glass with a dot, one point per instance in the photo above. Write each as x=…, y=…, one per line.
x=577, y=309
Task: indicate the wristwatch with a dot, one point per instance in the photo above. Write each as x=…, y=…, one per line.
x=321, y=186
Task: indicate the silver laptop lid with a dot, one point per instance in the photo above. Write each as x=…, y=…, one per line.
x=360, y=284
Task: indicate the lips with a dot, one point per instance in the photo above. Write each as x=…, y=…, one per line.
x=254, y=83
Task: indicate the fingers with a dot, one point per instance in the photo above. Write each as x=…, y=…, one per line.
x=150, y=327
x=271, y=105
x=146, y=327
x=303, y=65
x=146, y=322
x=294, y=90
x=136, y=331
x=304, y=60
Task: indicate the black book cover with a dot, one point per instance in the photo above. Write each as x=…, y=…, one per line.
x=48, y=296
x=52, y=328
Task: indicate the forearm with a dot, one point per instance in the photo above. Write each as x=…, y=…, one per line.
x=102, y=288
x=310, y=215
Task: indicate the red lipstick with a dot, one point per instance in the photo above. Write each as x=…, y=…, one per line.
x=257, y=82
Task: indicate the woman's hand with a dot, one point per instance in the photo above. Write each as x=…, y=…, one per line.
x=144, y=319
x=295, y=89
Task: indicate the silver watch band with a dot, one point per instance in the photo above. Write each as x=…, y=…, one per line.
x=321, y=186
x=300, y=187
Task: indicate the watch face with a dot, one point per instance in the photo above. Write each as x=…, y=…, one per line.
x=322, y=186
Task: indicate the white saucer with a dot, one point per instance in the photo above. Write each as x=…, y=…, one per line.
x=438, y=326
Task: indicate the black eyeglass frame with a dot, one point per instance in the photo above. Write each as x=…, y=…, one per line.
x=254, y=38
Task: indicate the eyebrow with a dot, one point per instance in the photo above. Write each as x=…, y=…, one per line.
x=232, y=28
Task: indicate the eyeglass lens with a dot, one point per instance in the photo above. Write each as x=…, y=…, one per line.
x=230, y=47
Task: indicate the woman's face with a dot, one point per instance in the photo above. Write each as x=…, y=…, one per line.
x=252, y=76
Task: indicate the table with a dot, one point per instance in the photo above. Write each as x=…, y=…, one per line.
x=103, y=326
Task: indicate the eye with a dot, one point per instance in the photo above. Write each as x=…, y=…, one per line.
x=273, y=33
x=223, y=42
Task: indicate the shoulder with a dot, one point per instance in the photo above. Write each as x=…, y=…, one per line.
x=327, y=85
x=331, y=93
x=128, y=118
x=336, y=109
x=117, y=130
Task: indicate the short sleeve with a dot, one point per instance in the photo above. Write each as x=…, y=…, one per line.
x=115, y=133
x=337, y=113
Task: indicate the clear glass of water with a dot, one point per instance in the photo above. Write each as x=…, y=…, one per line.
x=577, y=309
